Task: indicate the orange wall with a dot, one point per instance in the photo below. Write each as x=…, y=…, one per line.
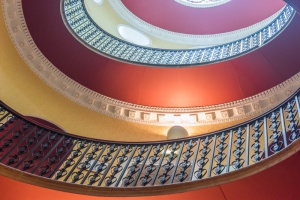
x=22, y=90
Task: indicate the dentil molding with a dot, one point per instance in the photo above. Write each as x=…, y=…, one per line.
x=241, y=109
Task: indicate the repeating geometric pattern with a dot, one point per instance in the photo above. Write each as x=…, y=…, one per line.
x=85, y=29
x=34, y=149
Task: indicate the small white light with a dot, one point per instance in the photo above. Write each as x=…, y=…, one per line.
x=202, y=3
x=134, y=36
x=98, y=2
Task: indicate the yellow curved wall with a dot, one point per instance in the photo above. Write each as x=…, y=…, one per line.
x=23, y=91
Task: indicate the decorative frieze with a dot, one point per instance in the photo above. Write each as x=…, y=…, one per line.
x=206, y=115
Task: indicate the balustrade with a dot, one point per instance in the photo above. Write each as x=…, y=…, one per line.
x=86, y=30
x=35, y=149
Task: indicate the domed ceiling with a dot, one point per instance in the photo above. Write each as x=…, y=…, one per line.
x=185, y=87
x=197, y=86
x=205, y=85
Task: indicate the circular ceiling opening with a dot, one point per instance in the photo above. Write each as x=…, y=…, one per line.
x=134, y=36
x=202, y=3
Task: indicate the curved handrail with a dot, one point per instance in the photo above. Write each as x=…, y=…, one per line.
x=45, y=153
x=87, y=31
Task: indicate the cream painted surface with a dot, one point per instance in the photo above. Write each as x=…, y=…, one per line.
x=107, y=19
x=23, y=91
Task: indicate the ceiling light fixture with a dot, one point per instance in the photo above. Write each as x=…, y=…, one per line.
x=202, y=3
x=134, y=36
x=98, y=2
x=176, y=132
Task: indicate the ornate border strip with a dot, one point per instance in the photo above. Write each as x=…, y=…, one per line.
x=248, y=107
x=203, y=4
x=144, y=191
x=85, y=30
x=203, y=160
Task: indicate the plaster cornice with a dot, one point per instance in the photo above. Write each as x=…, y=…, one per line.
x=40, y=65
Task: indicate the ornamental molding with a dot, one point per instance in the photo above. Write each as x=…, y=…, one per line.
x=190, y=39
x=228, y=112
x=202, y=3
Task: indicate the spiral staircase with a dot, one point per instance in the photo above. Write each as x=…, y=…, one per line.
x=85, y=113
